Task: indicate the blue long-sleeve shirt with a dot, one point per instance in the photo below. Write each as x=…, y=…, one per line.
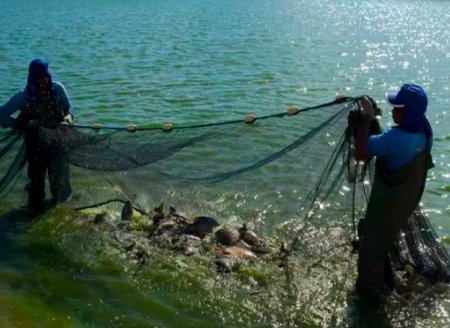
x=20, y=100
x=398, y=147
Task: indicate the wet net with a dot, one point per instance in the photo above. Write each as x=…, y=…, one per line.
x=302, y=156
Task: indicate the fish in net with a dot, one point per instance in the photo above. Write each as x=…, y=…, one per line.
x=307, y=150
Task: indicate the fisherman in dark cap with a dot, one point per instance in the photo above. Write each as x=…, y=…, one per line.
x=44, y=106
x=402, y=161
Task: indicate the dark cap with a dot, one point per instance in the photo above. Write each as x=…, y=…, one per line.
x=38, y=69
x=411, y=96
x=414, y=99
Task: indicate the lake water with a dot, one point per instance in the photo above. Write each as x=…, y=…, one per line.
x=200, y=61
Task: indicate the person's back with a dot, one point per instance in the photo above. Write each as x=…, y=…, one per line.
x=402, y=160
x=399, y=147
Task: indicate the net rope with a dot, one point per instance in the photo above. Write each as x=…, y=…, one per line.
x=218, y=152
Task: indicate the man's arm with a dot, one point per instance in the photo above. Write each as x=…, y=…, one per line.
x=65, y=103
x=362, y=136
x=17, y=102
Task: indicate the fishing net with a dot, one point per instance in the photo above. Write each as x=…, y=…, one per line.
x=302, y=156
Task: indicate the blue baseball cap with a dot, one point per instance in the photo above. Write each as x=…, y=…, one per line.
x=410, y=96
x=414, y=100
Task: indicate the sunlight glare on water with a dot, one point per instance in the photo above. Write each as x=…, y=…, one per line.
x=202, y=61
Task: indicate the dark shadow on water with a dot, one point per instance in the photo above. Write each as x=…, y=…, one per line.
x=15, y=251
x=42, y=271
x=14, y=222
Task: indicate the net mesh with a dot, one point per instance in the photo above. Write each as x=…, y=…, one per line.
x=309, y=154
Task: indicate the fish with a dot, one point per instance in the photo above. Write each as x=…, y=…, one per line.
x=227, y=236
x=226, y=263
x=257, y=244
x=127, y=211
x=238, y=252
x=202, y=226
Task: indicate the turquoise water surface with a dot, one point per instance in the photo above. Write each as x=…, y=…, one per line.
x=194, y=61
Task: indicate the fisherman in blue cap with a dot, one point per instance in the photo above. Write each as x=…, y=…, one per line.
x=43, y=105
x=402, y=161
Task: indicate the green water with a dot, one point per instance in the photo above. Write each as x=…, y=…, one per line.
x=204, y=61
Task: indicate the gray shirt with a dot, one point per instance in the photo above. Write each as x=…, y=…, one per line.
x=20, y=100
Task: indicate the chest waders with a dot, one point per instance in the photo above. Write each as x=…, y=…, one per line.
x=46, y=153
x=393, y=199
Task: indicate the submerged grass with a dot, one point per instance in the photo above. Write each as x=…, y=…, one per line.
x=73, y=274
